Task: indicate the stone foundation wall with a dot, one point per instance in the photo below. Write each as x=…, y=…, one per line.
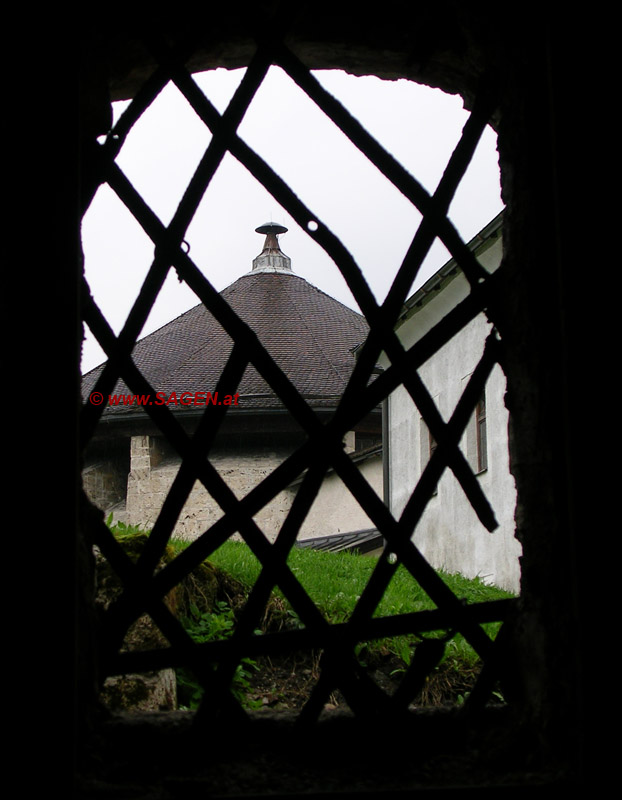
x=147, y=487
x=151, y=476
x=104, y=484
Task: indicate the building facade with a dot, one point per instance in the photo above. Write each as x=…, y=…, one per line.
x=449, y=534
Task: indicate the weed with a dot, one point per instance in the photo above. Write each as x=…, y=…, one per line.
x=335, y=583
x=213, y=626
x=215, y=621
x=123, y=531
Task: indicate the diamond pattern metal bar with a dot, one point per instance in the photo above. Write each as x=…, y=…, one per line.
x=290, y=641
x=143, y=591
x=432, y=209
x=384, y=571
x=454, y=429
x=259, y=596
x=103, y=164
x=344, y=260
x=366, y=301
x=421, y=242
x=138, y=594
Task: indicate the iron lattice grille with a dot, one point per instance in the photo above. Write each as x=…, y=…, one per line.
x=144, y=588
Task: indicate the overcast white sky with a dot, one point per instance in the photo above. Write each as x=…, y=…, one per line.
x=418, y=125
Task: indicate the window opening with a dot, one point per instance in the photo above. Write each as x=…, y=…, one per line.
x=427, y=446
x=482, y=444
x=145, y=587
x=431, y=445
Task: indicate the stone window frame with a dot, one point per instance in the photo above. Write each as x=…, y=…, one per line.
x=539, y=618
x=481, y=434
x=427, y=444
x=475, y=435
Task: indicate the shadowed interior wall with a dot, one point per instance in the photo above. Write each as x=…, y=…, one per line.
x=449, y=45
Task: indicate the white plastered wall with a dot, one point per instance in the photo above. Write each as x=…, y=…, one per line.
x=449, y=534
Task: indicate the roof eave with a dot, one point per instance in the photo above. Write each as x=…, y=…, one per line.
x=477, y=245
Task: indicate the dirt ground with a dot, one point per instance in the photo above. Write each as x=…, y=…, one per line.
x=286, y=683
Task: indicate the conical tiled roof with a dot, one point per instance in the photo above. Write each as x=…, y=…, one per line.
x=308, y=333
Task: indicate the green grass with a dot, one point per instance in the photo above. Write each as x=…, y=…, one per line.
x=335, y=581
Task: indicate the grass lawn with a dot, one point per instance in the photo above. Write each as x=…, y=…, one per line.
x=335, y=581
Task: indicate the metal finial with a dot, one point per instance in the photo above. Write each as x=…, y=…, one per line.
x=272, y=258
x=271, y=227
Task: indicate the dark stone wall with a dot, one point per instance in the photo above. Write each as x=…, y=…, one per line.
x=451, y=45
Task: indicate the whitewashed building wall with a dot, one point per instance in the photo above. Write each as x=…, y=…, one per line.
x=449, y=533
x=335, y=510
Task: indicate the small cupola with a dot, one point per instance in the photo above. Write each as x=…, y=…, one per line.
x=271, y=258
